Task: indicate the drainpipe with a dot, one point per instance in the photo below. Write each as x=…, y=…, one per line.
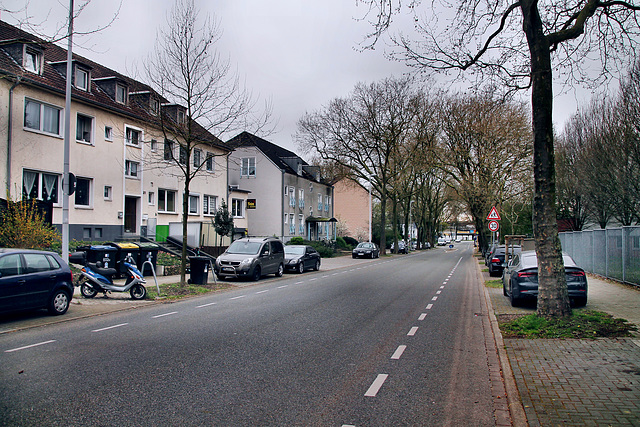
x=282, y=204
x=10, y=133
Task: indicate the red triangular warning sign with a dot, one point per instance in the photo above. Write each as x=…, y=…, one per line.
x=493, y=215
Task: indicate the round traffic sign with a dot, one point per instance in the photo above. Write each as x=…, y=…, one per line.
x=493, y=225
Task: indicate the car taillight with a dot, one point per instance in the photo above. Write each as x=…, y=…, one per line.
x=576, y=273
x=527, y=274
x=495, y=260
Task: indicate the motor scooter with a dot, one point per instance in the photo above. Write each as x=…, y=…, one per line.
x=94, y=278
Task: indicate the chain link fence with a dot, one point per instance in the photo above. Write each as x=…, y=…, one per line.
x=613, y=253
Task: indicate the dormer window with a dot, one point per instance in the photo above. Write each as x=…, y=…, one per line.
x=82, y=79
x=180, y=116
x=32, y=60
x=121, y=94
x=154, y=106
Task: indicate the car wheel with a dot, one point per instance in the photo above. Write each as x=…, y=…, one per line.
x=353, y=256
x=138, y=291
x=504, y=289
x=515, y=300
x=87, y=291
x=580, y=301
x=220, y=276
x=59, y=303
x=280, y=271
x=317, y=266
x=257, y=273
x=301, y=267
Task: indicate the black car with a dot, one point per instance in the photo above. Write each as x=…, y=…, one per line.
x=366, y=250
x=499, y=257
x=31, y=279
x=300, y=258
x=520, y=279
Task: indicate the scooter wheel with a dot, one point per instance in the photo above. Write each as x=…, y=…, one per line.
x=138, y=292
x=87, y=291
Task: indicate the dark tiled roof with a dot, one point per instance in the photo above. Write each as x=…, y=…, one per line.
x=54, y=81
x=275, y=153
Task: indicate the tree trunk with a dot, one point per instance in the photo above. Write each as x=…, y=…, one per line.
x=553, y=299
x=383, y=222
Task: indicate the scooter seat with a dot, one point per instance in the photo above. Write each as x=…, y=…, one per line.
x=107, y=272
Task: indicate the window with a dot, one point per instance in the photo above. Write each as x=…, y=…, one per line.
x=301, y=222
x=319, y=202
x=166, y=201
x=82, y=79
x=40, y=185
x=184, y=157
x=248, y=166
x=84, y=124
x=121, y=94
x=210, y=164
x=152, y=198
x=83, y=192
x=286, y=218
x=292, y=197
x=180, y=116
x=32, y=60
x=209, y=204
x=98, y=233
x=197, y=158
x=237, y=208
x=42, y=117
x=154, y=106
x=168, y=149
x=10, y=265
x=86, y=233
x=133, y=136
x=108, y=192
x=108, y=133
x=327, y=203
x=154, y=145
x=292, y=224
x=194, y=203
x=286, y=190
x=131, y=169
x=301, y=198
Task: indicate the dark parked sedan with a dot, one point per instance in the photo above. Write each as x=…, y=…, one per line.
x=300, y=258
x=31, y=279
x=498, y=258
x=366, y=250
x=520, y=279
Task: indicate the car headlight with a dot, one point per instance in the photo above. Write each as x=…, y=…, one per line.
x=246, y=262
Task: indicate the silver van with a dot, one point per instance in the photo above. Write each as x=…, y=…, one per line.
x=251, y=257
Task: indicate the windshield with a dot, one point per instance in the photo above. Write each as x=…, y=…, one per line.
x=247, y=248
x=294, y=250
x=364, y=245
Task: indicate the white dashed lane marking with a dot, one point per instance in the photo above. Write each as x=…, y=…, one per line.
x=376, y=385
x=398, y=353
x=29, y=346
x=110, y=327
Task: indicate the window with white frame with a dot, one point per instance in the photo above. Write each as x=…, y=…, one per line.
x=82, y=79
x=108, y=193
x=248, y=166
x=292, y=196
x=286, y=190
x=286, y=218
x=194, y=204
x=319, y=202
x=210, y=163
x=108, y=133
x=237, y=208
x=166, y=200
x=121, y=94
x=40, y=185
x=301, y=198
x=154, y=145
x=42, y=117
x=131, y=169
x=197, y=158
x=327, y=203
x=154, y=106
x=83, y=192
x=152, y=198
x=209, y=204
x=133, y=136
x=292, y=224
x=180, y=116
x=84, y=127
x=184, y=157
x=32, y=60
x=301, y=224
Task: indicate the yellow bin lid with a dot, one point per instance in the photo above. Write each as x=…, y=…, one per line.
x=128, y=246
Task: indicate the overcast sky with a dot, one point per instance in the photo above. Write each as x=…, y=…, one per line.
x=298, y=53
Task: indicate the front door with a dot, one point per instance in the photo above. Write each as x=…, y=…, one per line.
x=130, y=214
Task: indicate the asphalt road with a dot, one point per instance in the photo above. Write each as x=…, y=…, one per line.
x=396, y=341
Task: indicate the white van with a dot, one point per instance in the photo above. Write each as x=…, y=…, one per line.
x=442, y=241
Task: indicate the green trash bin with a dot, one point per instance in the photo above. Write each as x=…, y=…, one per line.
x=199, y=270
x=148, y=252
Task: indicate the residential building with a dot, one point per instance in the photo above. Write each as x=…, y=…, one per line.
x=287, y=198
x=127, y=182
x=351, y=209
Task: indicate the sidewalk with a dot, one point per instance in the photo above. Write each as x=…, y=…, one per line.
x=578, y=382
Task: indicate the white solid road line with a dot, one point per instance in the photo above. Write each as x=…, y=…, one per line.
x=29, y=346
x=376, y=385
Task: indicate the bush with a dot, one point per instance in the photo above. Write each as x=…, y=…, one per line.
x=297, y=240
x=22, y=225
x=350, y=241
x=341, y=243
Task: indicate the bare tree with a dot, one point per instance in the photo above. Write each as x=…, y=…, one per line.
x=187, y=69
x=367, y=133
x=512, y=43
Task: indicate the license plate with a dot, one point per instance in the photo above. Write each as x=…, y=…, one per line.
x=228, y=269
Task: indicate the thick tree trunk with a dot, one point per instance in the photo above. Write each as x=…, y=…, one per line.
x=553, y=300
